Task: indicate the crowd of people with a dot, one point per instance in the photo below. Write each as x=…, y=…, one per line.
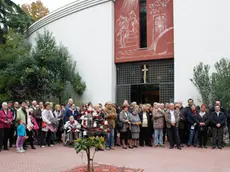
x=129, y=125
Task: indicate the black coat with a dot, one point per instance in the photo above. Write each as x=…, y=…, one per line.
x=149, y=117
x=192, y=119
x=218, y=119
x=205, y=119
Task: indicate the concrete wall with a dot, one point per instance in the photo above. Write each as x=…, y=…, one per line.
x=87, y=29
x=201, y=34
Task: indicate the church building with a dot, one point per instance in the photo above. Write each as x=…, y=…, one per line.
x=140, y=50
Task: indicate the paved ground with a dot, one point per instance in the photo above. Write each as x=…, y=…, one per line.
x=59, y=158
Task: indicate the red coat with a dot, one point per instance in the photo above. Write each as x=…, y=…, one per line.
x=3, y=119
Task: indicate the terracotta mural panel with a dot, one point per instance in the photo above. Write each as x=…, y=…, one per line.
x=160, y=42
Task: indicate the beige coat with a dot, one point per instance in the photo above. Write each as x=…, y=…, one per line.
x=168, y=118
x=158, y=119
x=111, y=116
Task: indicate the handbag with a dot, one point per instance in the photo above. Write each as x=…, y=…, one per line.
x=119, y=124
x=43, y=124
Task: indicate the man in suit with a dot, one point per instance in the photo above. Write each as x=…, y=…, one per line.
x=172, y=118
x=184, y=113
x=213, y=109
x=218, y=122
x=145, y=135
x=226, y=114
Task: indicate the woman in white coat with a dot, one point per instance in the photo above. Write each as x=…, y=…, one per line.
x=47, y=117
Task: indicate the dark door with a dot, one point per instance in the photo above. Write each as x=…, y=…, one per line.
x=145, y=93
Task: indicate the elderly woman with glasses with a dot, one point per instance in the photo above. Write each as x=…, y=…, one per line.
x=6, y=119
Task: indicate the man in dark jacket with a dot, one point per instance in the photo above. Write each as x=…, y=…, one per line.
x=38, y=118
x=213, y=109
x=184, y=113
x=182, y=124
x=218, y=103
x=218, y=122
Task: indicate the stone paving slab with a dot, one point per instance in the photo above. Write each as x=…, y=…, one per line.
x=59, y=159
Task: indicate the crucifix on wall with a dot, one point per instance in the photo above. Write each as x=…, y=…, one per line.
x=145, y=70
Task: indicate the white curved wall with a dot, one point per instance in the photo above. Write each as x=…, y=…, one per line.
x=89, y=36
x=201, y=34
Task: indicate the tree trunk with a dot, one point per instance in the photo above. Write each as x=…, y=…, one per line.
x=59, y=99
x=88, y=158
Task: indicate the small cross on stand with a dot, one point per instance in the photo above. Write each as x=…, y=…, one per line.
x=145, y=70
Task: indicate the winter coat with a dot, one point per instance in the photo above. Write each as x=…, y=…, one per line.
x=47, y=116
x=22, y=115
x=168, y=118
x=111, y=116
x=123, y=118
x=218, y=119
x=205, y=119
x=134, y=118
x=158, y=119
x=5, y=117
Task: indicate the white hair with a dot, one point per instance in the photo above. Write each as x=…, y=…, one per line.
x=4, y=104
x=144, y=107
x=70, y=100
x=134, y=103
x=30, y=110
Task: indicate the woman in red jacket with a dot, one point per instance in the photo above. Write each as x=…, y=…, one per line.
x=6, y=119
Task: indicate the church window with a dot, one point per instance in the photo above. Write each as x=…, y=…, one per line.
x=143, y=24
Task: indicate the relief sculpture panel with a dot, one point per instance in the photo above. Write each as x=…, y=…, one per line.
x=160, y=42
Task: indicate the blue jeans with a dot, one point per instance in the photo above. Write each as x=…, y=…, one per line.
x=158, y=136
x=193, y=135
x=110, y=138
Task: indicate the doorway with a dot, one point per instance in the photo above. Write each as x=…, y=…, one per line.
x=145, y=93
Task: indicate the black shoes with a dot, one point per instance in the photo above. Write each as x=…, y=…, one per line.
x=178, y=147
x=213, y=147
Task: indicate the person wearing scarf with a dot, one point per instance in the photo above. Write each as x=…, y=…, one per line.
x=193, y=125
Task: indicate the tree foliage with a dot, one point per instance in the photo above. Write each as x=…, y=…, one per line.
x=86, y=144
x=202, y=81
x=213, y=86
x=36, y=73
x=36, y=10
x=12, y=17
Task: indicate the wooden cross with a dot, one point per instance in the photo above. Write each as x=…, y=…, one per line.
x=145, y=70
